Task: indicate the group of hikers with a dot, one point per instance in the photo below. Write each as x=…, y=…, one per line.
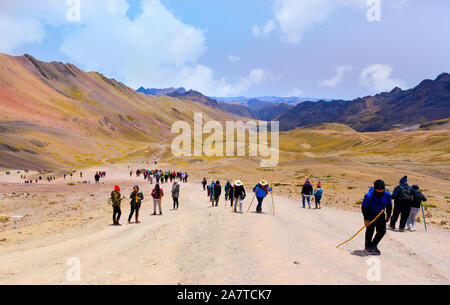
x=98, y=175
x=160, y=176
x=308, y=191
x=235, y=193
x=377, y=211
x=137, y=197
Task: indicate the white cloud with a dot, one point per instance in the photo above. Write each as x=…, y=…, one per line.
x=294, y=18
x=155, y=49
x=338, y=78
x=378, y=78
x=233, y=59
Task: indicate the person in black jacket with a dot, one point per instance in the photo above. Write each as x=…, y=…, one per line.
x=376, y=201
x=238, y=193
x=217, y=190
x=418, y=197
x=307, y=191
x=204, y=182
x=97, y=177
x=136, y=199
x=403, y=198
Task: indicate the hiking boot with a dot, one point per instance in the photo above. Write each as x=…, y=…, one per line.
x=392, y=227
x=368, y=250
x=376, y=251
x=309, y=207
x=401, y=230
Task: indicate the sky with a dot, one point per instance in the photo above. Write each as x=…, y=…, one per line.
x=341, y=49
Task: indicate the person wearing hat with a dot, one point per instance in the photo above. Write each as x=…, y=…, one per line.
x=175, y=194
x=116, y=200
x=307, y=191
x=376, y=201
x=403, y=200
x=217, y=191
x=239, y=195
x=136, y=198
x=318, y=195
x=418, y=197
x=262, y=189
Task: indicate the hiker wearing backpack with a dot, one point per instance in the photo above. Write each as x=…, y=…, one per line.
x=403, y=200
x=418, y=197
x=238, y=195
x=136, y=199
x=175, y=194
x=211, y=190
x=376, y=201
x=157, y=195
x=307, y=191
x=217, y=191
x=262, y=189
x=318, y=195
x=116, y=200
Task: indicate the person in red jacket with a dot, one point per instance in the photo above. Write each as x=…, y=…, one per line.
x=157, y=195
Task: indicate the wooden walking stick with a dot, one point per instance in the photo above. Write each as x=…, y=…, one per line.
x=251, y=203
x=232, y=199
x=361, y=229
x=273, y=204
x=424, y=221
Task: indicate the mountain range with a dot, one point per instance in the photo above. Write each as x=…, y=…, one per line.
x=429, y=101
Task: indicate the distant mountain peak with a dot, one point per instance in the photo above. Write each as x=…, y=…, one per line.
x=159, y=92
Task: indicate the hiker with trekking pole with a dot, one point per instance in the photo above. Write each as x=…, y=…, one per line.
x=261, y=190
x=376, y=209
x=238, y=194
x=217, y=191
x=418, y=198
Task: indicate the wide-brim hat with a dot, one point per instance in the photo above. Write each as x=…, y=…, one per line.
x=263, y=182
x=238, y=183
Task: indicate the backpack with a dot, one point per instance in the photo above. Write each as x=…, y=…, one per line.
x=405, y=195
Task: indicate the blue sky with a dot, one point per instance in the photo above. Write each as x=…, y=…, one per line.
x=308, y=48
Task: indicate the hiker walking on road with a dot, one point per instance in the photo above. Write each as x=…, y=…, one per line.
x=157, y=195
x=418, y=197
x=403, y=200
x=318, y=195
x=204, y=182
x=136, y=199
x=211, y=191
x=175, y=194
x=262, y=189
x=227, y=189
x=307, y=191
x=374, y=203
x=238, y=196
x=97, y=178
x=217, y=191
x=116, y=200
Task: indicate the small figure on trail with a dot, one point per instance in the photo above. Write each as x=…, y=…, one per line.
x=262, y=189
x=403, y=200
x=227, y=189
x=238, y=193
x=418, y=197
x=81, y=174
x=217, y=191
x=116, y=200
x=318, y=195
x=136, y=199
x=131, y=173
x=211, y=190
x=376, y=201
x=204, y=182
x=150, y=178
x=157, y=195
x=307, y=191
x=97, y=177
x=175, y=194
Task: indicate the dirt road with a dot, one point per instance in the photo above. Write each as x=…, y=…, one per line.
x=199, y=244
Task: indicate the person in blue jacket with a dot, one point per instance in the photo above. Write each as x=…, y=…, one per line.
x=262, y=189
x=376, y=201
x=318, y=195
